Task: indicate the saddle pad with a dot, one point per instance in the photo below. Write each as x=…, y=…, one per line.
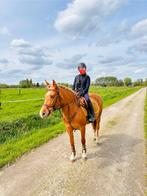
x=95, y=107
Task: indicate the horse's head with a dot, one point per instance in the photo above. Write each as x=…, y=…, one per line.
x=52, y=101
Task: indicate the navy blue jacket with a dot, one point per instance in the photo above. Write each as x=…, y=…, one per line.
x=81, y=84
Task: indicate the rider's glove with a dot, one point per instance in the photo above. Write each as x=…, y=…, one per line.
x=81, y=93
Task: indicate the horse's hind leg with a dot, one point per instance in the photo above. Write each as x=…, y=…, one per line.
x=94, y=129
x=96, y=126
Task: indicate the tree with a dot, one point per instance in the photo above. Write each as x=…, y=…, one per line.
x=4, y=85
x=138, y=82
x=26, y=83
x=120, y=83
x=128, y=81
x=107, y=81
x=145, y=82
x=37, y=84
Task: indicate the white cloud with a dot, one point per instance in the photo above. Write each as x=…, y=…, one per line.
x=139, y=46
x=31, y=54
x=140, y=28
x=111, y=59
x=72, y=62
x=35, y=60
x=3, y=61
x=83, y=17
x=4, y=31
x=140, y=70
x=20, y=43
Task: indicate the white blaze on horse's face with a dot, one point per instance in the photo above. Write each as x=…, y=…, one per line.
x=47, y=108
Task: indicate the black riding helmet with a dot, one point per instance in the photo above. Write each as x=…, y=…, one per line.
x=81, y=65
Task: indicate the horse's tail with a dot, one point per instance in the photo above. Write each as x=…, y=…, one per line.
x=99, y=103
x=98, y=99
x=94, y=124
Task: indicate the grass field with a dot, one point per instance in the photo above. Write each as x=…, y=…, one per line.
x=21, y=128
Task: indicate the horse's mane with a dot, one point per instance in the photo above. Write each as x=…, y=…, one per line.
x=68, y=89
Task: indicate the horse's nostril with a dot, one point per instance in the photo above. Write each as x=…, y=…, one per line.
x=43, y=113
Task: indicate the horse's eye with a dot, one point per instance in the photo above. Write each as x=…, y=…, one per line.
x=52, y=96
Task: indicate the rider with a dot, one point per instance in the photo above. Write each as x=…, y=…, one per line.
x=81, y=86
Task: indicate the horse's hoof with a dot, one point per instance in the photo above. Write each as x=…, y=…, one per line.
x=72, y=157
x=84, y=156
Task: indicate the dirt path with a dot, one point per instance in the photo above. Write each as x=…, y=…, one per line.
x=115, y=167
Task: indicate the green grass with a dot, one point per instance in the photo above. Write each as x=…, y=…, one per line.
x=29, y=93
x=16, y=110
x=13, y=149
x=23, y=130
x=14, y=129
x=111, y=95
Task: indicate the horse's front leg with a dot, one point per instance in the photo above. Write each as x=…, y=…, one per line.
x=71, y=137
x=83, y=141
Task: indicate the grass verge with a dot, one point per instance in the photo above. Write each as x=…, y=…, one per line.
x=13, y=149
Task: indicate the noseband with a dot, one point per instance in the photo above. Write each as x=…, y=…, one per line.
x=52, y=105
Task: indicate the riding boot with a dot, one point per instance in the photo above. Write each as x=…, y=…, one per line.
x=91, y=116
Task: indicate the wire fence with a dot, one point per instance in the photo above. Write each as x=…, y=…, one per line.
x=3, y=103
x=23, y=100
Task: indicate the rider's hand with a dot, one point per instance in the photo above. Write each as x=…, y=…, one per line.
x=81, y=94
x=77, y=93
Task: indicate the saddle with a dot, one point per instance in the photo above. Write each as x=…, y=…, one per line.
x=84, y=105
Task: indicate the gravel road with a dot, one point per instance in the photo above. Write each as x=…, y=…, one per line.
x=115, y=166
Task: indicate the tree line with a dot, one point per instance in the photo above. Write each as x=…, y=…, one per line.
x=101, y=81
x=28, y=83
x=114, y=81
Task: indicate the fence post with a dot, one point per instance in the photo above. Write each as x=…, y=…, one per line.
x=19, y=91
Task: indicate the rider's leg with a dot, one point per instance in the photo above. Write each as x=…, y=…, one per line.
x=91, y=117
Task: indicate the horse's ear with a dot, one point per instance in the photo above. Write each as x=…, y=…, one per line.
x=54, y=84
x=47, y=83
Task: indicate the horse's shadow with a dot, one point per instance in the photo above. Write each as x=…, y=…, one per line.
x=113, y=148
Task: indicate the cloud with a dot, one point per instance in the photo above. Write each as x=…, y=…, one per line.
x=3, y=61
x=139, y=46
x=109, y=60
x=20, y=43
x=140, y=28
x=140, y=70
x=31, y=54
x=35, y=60
x=72, y=62
x=124, y=31
x=84, y=17
x=4, y=31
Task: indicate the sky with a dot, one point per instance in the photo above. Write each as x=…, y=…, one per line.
x=47, y=39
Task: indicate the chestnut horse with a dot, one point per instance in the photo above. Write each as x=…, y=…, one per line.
x=74, y=115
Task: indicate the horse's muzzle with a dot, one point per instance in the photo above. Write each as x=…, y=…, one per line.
x=44, y=114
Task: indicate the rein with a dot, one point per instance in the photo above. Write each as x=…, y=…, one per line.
x=61, y=106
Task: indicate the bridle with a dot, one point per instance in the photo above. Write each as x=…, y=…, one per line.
x=52, y=105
